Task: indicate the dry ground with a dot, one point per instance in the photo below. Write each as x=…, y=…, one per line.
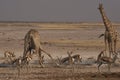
x=57, y=39
x=38, y=73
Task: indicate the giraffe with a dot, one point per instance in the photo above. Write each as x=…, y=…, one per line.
x=32, y=44
x=110, y=35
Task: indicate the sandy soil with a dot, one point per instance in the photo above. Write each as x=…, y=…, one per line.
x=57, y=39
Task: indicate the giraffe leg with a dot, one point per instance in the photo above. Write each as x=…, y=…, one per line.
x=112, y=51
x=112, y=48
x=26, y=52
x=115, y=45
x=40, y=59
x=109, y=46
x=106, y=43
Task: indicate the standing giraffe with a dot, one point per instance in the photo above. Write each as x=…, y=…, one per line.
x=110, y=36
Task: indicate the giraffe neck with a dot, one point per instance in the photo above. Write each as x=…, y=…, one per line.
x=107, y=22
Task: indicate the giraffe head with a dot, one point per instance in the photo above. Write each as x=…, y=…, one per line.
x=100, y=6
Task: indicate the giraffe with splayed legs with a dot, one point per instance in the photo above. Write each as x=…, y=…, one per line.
x=110, y=36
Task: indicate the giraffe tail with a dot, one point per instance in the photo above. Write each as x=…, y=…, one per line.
x=101, y=35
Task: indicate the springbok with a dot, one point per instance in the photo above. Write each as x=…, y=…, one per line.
x=106, y=60
x=70, y=59
x=77, y=58
x=66, y=60
x=9, y=56
x=101, y=54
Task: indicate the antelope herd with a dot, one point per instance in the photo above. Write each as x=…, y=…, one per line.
x=32, y=47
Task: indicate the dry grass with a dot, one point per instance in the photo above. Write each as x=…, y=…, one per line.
x=79, y=43
x=53, y=25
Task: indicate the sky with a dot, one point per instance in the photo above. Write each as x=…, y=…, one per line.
x=58, y=10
